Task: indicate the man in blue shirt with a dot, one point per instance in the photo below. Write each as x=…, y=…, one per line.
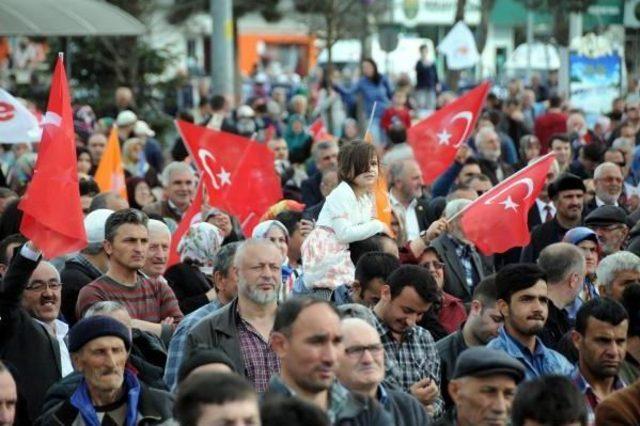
x=523, y=302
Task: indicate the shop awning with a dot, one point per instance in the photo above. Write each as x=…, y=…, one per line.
x=66, y=18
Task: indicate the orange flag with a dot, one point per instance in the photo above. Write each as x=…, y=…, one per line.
x=110, y=175
x=381, y=191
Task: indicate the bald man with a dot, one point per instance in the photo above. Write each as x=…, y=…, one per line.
x=361, y=369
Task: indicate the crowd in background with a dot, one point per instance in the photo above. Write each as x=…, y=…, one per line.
x=325, y=315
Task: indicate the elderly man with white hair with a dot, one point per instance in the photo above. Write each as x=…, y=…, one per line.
x=608, y=181
x=616, y=272
x=361, y=369
x=489, y=155
x=179, y=183
x=158, y=252
x=464, y=266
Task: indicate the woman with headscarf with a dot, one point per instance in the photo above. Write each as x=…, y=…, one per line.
x=192, y=278
x=277, y=233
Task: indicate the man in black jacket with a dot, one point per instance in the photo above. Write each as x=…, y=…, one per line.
x=565, y=267
x=86, y=266
x=25, y=343
x=325, y=155
x=361, y=369
x=110, y=394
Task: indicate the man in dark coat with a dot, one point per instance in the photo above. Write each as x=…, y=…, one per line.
x=567, y=193
x=25, y=344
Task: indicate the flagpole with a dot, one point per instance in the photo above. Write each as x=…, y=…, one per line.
x=513, y=176
x=373, y=110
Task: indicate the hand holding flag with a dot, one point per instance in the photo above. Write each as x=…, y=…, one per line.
x=498, y=220
x=436, y=139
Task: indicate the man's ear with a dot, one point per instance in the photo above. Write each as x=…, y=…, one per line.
x=454, y=390
x=576, y=338
x=279, y=343
x=475, y=307
x=503, y=307
x=108, y=248
x=385, y=293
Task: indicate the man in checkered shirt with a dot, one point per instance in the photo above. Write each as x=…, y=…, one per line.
x=412, y=361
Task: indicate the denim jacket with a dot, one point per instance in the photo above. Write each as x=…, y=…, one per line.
x=542, y=361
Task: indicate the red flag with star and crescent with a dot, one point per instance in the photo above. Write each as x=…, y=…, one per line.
x=191, y=216
x=52, y=216
x=498, y=220
x=436, y=139
x=239, y=175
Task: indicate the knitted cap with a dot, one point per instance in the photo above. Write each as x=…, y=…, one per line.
x=94, y=327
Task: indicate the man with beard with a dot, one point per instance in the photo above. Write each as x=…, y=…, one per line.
x=411, y=356
x=308, y=340
x=601, y=339
x=489, y=151
x=523, y=303
x=567, y=193
x=565, y=268
x=241, y=329
x=109, y=394
x=608, y=180
x=405, y=194
x=31, y=336
x=482, y=325
x=610, y=225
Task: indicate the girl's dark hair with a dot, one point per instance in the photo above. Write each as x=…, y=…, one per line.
x=82, y=150
x=354, y=159
x=132, y=183
x=376, y=77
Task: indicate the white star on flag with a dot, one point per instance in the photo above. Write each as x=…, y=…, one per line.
x=224, y=177
x=509, y=204
x=443, y=137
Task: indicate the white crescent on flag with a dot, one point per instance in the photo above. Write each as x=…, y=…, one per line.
x=17, y=123
x=468, y=117
x=509, y=204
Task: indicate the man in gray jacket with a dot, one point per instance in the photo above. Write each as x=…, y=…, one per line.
x=241, y=329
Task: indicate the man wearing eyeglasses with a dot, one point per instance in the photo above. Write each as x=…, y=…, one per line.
x=610, y=225
x=608, y=181
x=361, y=370
x=31, y=336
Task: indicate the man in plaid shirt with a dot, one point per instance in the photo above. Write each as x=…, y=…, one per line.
x=412, y=361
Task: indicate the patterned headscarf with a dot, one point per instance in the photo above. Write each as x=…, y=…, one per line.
x=262, y=229
x=201, y=244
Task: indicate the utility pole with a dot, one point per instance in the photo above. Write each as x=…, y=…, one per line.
x=222, y=55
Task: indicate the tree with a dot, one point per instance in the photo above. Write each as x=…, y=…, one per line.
x=100, y=64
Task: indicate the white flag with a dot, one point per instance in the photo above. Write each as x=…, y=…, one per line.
x=17, y=123
x=460, y=47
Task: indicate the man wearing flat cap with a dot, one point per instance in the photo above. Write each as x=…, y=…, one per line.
x=567, y=193
x=110, y=393
x=483, y=387
x=611, y=225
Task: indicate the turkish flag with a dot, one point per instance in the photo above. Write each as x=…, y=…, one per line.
x=498, y=220
x=191, y=216
x=52, y=212
x=17, y=123
x=238, y=173
x=436, y=139
x=318, y=130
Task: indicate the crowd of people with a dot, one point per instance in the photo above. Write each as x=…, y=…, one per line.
x=324, y=314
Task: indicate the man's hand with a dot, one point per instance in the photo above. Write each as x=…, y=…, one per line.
x=306, y=226
x=436, y=229
x=426, y=391
x=463, y=153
